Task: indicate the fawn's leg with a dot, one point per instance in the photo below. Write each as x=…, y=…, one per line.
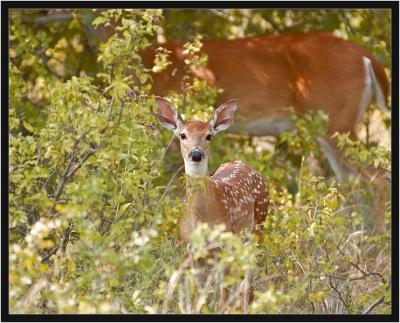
x=245, y=291
x=223, y=298
x=223, y=292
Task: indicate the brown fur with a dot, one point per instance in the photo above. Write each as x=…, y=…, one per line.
x=208, y=205
x=268, y=74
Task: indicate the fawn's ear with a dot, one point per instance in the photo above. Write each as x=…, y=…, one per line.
x=168, y=115
x=224, y=116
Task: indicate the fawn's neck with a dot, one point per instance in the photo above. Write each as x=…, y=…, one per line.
x=199, y=198
x=196, y=169
x=198, y=205
x=198, y=190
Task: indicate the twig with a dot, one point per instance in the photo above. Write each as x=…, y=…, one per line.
x=372, y=306
x=49, y=177
x=120, y=112
x=65, y=239
x=20, y=231
x=110, y=107
x=347, y=25
x=89, y=152
x=62, y=245
x=273, y=24
x=167, y=147
x=296, y=260
x=71, y=169
x=171, y=180
x=52, y=252
x=366, y=274
x=340, y=295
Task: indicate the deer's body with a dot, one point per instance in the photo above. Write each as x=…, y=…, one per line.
x=236, y=195
x=269, y=74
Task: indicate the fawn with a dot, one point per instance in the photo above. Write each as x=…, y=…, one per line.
x=236, y=195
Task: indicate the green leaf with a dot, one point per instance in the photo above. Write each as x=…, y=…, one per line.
x=123, y=207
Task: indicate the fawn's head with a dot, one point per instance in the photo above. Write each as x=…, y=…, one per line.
x=195, y=136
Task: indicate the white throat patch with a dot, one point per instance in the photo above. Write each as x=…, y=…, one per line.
x=196, y=168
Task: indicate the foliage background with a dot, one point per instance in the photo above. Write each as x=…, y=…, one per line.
x=95, y=197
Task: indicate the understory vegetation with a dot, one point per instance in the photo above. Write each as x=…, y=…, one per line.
x=96, y=186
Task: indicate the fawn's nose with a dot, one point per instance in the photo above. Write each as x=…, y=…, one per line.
x=196, y=155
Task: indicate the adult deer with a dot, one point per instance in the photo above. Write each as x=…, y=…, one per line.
x=268, y=74
x=307, y=71
x=236, y=195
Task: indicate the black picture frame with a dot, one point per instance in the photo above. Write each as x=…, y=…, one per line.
x=392, y=5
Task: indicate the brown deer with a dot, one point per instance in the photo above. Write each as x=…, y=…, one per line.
x=268, y=74
x=307, y=71
x=236, y=195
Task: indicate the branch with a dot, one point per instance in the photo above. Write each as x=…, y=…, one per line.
x=167, y=147
x=372, y=306
x=62, y=245
x=110, y=108
x=51, y=252
x=71, y=169
x=53, y=17
x=347, y=25
x=89, y=152
x=20, y=230
x=273, y=24
x=366, y=274
x=120, y=112
x=170, y=182
x=340, y=295
x=46, y=182
x=65, y=239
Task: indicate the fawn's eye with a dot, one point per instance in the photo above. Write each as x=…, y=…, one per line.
x=209, y=137
x=182, y=136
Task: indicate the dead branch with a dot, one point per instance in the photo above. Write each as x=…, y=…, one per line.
x=340, y=295
x=372, y=306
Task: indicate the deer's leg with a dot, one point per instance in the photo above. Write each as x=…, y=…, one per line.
x=374, y=178
x=379, y=187
x=339, y=166
x=245, y=292
x=223, y=299
x=223, y=292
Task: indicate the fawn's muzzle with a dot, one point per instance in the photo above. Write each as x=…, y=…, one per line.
x=196, y=155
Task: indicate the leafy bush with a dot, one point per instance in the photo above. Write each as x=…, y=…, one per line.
x=95, y=197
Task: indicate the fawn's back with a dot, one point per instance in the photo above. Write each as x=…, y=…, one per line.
x=243, y=194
